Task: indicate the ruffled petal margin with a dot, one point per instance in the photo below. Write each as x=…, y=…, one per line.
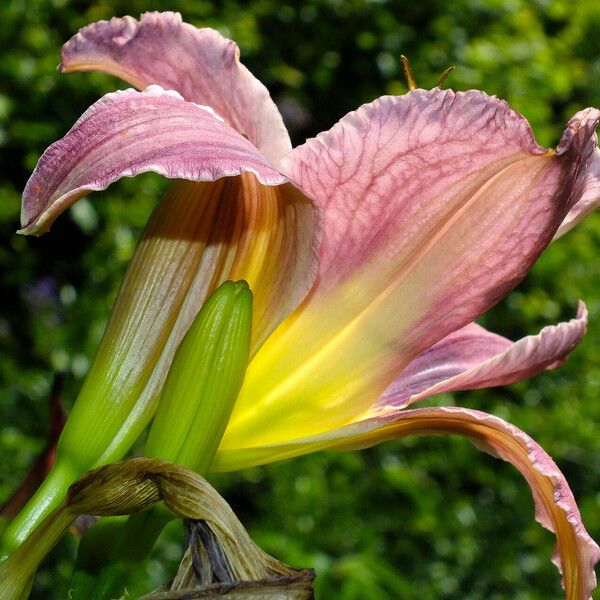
x=575, y=552
x=473, y=358
x=126, y=133
x=200, y=64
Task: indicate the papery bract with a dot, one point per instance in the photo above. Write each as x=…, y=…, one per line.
x=426, y=209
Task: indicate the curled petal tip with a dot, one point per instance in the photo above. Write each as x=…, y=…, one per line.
x=199, y=63
x=589, y=198
x=580, y=131
x=582, y=312
x=575, y=553
x=126, y=133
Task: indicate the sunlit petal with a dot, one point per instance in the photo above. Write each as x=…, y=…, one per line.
x=473, y=358
x=200, y=64
x=575, y=554
x=129, y=132
x=435, y=206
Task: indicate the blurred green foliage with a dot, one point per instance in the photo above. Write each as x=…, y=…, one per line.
x=425, y=518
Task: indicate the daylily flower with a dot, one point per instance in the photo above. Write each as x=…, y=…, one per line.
x=370, y=250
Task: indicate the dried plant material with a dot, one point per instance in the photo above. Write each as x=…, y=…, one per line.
x=190, y=584
x=276, y=588
x=221, y=561
x=134, y=485
x=206, y=572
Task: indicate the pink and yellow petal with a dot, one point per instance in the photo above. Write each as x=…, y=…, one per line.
x=223, y=223
x=473, y=358
x=435, y=205
x=470, y=358
x=200, y=64
x=575, y=553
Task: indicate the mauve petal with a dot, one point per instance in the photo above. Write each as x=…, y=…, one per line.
x=130, y=132
x=401, y=162
x=590, y=198
x=473, y=358
x=200, y=64
x=435, y=205
x=575, y=553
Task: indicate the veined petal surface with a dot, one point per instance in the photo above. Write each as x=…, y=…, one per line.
x=130, y=132
x=435, y=205
x=590, y=198
x=575, y=553
x=474, y=358
x=200, y=64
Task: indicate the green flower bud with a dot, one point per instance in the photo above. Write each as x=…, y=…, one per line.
x=204, y=380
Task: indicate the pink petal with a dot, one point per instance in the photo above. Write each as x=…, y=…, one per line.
x=129, y=132
x=435, y=205
x=200, y=64
x=473, y=358
x=575, y=554
x=590, y=198
x=255, y=226
x=238, y=229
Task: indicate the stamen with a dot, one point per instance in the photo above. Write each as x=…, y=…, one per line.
x=442, y=79
x=410, y=79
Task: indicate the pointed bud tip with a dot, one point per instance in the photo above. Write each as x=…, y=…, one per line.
x=233, y=287
x=241, y=285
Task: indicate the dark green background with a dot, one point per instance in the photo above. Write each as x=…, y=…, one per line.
x=424, y=518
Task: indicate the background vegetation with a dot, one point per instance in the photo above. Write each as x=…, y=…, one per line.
x=426, y=518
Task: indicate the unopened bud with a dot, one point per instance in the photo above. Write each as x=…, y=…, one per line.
x=204, y=380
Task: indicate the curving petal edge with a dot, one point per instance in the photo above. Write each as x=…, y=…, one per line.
x=473, y=358
x=590, y=197
x=200, y=64
x=126, y=133
x=575, y=553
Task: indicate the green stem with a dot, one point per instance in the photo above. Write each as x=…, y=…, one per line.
x=16, y=573
x=48, y=496
x=195, y=405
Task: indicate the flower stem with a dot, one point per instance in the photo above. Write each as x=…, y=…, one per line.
x=47, y=498
x=16, y=573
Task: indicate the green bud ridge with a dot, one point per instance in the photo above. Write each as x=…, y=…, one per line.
x=204, y=380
